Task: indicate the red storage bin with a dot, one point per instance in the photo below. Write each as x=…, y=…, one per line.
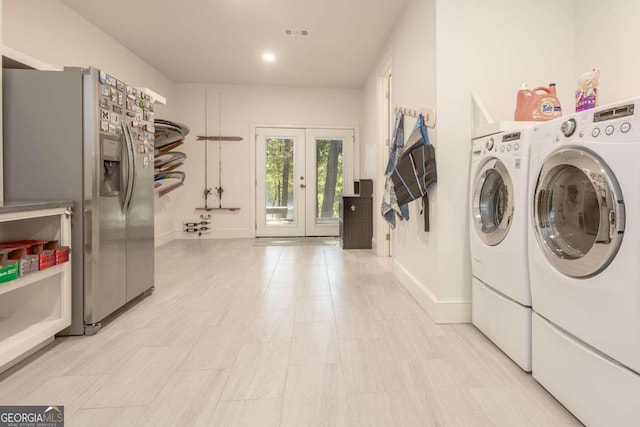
x=46, y=259
x=33, y=247
x=32, y=254
x=61, y=253
x=36, y=255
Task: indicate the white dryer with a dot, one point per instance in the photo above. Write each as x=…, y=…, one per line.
x=501, y=298
x=584, y=262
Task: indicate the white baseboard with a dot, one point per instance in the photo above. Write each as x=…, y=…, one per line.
x=240, y=233
x=237, y=233
x=383, y=249
x=164, y=238
x=441, y=310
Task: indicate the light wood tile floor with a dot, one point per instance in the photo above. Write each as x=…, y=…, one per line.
x=243, y=335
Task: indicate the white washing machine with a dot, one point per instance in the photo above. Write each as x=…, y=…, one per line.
x=584, y=262
x=501, y=297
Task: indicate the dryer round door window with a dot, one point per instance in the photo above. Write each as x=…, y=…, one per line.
x=492, y=209
x=578, y=212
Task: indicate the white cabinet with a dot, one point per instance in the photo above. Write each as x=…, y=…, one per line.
x=34, y=307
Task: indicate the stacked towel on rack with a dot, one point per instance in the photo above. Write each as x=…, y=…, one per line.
x=390, y=207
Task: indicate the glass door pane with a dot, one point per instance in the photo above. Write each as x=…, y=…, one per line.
x=280, y=195
x=329, y=176
x=280, y=182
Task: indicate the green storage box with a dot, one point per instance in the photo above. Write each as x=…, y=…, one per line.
x=9, y=270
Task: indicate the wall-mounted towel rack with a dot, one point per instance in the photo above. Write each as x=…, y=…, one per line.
x=218, y=138
x=428, y=113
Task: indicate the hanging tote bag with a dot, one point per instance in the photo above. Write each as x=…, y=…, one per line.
x=415, y=172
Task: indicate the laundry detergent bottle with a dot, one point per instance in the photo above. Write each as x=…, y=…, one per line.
x=539, y=104
x=522, y=104
x=587, y=92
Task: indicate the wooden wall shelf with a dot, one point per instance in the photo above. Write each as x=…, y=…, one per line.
x=170, y=168
x=170, y=146
x=169, y=189
x=218, y=209
x=168, y=136
x=218, y=138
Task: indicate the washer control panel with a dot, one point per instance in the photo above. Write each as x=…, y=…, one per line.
x=510, y=143
x=513, y=144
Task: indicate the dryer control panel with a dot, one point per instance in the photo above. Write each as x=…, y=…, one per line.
x=613, y=123
x=615, y=119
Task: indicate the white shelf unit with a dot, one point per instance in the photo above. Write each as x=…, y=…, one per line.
x=35, y=307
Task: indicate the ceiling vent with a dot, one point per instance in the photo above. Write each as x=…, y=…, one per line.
x=291, y=32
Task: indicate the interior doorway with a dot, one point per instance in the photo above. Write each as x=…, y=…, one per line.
x=300, y=176
x=385, y=247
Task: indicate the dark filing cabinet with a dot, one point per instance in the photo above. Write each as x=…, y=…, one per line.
x=356, y=222
x=363, y=187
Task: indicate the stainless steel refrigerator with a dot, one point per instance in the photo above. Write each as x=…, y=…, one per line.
x=83, y=135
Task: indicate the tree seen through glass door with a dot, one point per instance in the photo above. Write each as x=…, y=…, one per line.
x=329, y=167
x=280, y=194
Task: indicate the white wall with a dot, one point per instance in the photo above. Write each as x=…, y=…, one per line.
x=414, y=85
x=495, y=45
x=489, y=47
x=411, y=56
x=440, y=52
x=242, y=108
x=607, y=35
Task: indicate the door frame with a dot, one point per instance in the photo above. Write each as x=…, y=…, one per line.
x=252, y=155
x=383, y=234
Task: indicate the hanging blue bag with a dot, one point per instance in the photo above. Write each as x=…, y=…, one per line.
x=415, y=172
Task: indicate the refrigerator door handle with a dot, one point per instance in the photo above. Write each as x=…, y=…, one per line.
x=130, y=166
x=125, y=172
x=132, y=158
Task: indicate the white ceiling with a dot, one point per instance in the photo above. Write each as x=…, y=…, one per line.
x=222, y=41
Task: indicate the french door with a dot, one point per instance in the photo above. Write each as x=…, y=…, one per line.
x=300, y=176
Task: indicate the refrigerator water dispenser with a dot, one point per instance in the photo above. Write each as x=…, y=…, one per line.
x=110, y=156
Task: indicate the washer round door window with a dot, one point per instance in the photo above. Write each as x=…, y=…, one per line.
x=578, y=212
x=493, y=202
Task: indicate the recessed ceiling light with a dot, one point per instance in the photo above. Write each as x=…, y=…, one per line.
x=268, y=57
